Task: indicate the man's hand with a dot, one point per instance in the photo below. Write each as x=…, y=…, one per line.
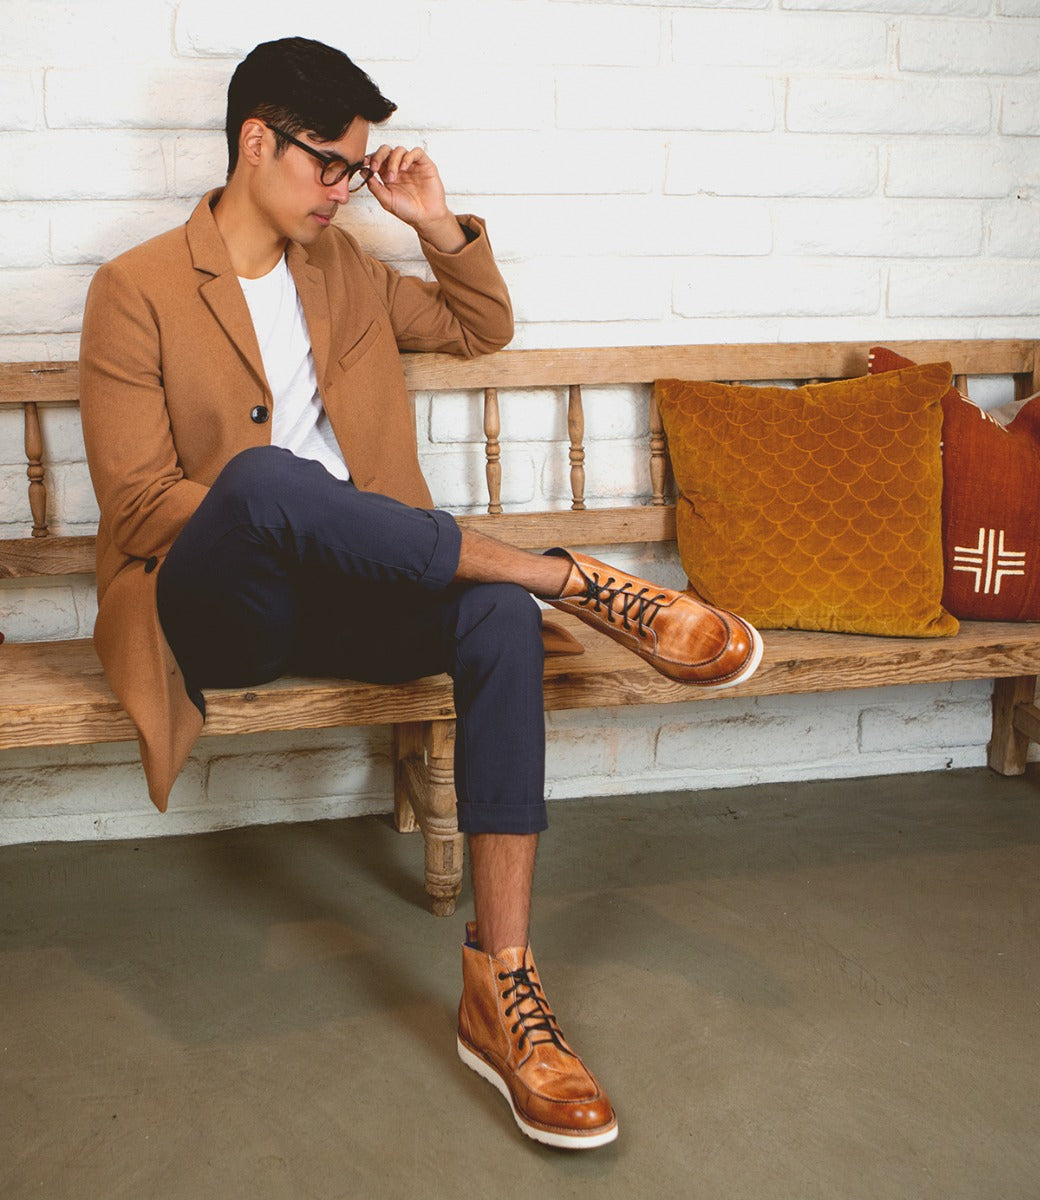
x=407, y=184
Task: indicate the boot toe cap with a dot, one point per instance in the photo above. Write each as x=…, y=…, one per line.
x=593, y=1115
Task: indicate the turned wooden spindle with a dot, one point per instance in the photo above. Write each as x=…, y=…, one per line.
x=576, y=432
x=34, y=455
x=658, y=453
x=493, y=451
x=960, y=382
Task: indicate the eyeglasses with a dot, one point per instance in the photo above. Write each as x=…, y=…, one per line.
x=333, y=168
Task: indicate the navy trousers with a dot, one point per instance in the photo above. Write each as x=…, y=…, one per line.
x=285, y=569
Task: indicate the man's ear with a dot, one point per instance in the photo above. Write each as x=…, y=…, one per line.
x=250, y=140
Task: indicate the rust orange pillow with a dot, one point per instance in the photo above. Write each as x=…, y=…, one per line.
x=815, y=507
x=991, y=506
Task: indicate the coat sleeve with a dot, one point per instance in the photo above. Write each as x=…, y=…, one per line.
x=144, y=497
x=465, y=312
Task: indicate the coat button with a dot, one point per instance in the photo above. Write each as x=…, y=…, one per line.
x=260, y=414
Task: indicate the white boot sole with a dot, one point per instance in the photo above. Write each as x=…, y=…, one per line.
x=561, y=1141
x=750, y=667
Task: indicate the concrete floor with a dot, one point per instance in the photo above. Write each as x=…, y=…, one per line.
x=812, y=990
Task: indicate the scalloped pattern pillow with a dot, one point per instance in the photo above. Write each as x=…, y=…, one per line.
x=815, y=507
x=991, y=506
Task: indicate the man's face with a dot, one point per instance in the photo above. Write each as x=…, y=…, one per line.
x=289, y=191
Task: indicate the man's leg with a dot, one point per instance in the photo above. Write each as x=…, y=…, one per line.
x=502, y=865
x=508, y=1032
x=675, y=632
x=284, y=567
x=484, y=559
x=488, y=637
x=267, y=504
x=229, y=591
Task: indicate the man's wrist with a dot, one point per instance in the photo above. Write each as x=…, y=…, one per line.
x=444, y=234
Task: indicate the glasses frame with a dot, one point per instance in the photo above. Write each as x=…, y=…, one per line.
x=357, y=174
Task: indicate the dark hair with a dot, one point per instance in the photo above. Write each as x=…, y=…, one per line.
x=303, y=86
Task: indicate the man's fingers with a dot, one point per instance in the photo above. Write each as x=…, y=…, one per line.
x=391, y=161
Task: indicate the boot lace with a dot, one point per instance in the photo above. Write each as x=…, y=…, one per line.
x=537, y=1018
x=637, y=609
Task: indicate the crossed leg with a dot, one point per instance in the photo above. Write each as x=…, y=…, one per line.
x=284, y=568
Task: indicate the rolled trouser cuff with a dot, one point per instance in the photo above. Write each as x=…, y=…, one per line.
x=503, y=818
x=444, y=561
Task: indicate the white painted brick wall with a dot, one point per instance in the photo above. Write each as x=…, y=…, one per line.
x=545, y=33
x=792, y=287
x=551, y=163
x=45, y=298
x=383, y=32
x=972, y=288
x=187, y=96
x=52, y=165
x=42, y=35
x=778, y=40
x=968, y=48
x=761, y=165
x=42, y=613
x=24, y=236
x=79, y=230
x=658, y=226
x=665, y=98
x=879, y=229
x=1020, y=114
x=1014, y=230
x=888, y=106
x=18, y=107
x=942, y=170
x=652, y=171
x=940, y=8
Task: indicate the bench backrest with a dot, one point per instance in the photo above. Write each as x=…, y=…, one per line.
x=30, y=386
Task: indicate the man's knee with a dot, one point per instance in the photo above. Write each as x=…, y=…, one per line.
x=255, y=471
x=501, y=620
x=261, y=486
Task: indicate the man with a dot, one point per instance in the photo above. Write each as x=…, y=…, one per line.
x=253, y=450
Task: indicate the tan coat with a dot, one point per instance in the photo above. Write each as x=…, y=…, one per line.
x=170, y=371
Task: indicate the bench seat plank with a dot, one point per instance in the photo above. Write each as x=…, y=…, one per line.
x=797, y=662
x=55, y=692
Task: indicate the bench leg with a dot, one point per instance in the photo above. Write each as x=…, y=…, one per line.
x=424, y=797
x=1016, y=722
x=408, y=750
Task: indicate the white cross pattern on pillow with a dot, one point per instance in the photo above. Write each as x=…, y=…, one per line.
x=989, y=561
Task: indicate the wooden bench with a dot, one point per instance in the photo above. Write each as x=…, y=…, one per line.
x=54, y=693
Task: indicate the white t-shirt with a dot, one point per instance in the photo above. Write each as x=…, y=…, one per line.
x=299, y=421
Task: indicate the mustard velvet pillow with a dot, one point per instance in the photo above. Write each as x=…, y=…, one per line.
x=816, y=507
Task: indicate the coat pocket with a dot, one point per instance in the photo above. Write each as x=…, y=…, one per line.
x=360, y=348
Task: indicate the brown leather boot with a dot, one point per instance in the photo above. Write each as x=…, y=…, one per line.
x=508, y=1034
x=675, y=632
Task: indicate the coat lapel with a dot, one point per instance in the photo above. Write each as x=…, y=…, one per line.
x=223, y=294
x=314, y=296
x=220, y=288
